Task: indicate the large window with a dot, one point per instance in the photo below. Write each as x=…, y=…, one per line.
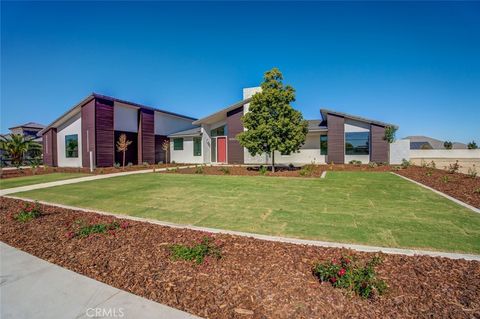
x=178, y=144
x=323, y=145
x=219, y=131
x=357, y=143
x=71, y=145
x=197, y=146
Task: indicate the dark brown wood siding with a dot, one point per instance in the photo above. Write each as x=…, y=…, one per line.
x=159, y=152
x=88, y=133
x=336, y=139
x=379, y=146
x=50, y=147
x=234, y=126
x=104, y=135
x=146, y=137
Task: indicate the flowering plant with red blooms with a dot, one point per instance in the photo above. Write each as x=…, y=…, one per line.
x=29, y=212
x=357, y=277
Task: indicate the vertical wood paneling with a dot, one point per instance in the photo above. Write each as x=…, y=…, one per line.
x=336, y=139
x=146, y=137
x=50, y=155
x=88, y=127
x=234, y=126
x=159, y=152
x=379, y=146
x=104, y=134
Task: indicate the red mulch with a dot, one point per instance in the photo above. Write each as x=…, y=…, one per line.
x=459, y=186
x=253, y=279
x=10, y=173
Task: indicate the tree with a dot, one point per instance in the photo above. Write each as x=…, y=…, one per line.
x=122, y=146
x=390, y=134
x=166, y=148
x=472, y=145
x=16, y=147
x=448, y=145
x=272, y=123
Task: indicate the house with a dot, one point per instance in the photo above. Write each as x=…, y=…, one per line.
x=30, y=129
x=85, y=136
x=429, y=143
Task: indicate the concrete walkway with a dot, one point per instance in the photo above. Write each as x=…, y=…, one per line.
x=82, y=179
x=364, y=248
x=32, y=288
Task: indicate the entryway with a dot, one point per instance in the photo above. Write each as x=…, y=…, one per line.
x=219, y=149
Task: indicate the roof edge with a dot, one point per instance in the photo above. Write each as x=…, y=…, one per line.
x=224, y=110
x=324, y=113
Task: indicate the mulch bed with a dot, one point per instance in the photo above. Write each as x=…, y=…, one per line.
x=253, y=279
x=279, y=171
x=457, y=185
x=11, y=173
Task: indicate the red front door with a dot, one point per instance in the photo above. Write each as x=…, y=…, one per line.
x=221, y=149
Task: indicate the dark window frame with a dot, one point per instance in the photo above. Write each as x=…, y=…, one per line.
x=357, y=143
x=323, y=144
x=69, y=152
x=197, y=146
x=178, y=147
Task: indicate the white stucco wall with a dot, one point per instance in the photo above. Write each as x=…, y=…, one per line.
x=185, y=155
x=125, y=118
x=455, y=154
x=400, y=149
x=72, y=126
x=166, y=124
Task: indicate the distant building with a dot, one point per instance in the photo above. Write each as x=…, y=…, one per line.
x=30, y=129
x=429, y=143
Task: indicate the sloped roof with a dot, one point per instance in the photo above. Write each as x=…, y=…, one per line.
x=196, y=131
x=324, y=113
x=436, y=144
x=222, y=112
x=317, y=125
x=29, y=125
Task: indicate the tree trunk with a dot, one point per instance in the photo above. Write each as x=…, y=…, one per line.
x=273, y=161
x=124, y=159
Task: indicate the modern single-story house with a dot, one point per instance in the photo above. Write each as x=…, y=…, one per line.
x=85, y=136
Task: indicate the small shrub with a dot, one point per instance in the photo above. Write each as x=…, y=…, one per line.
x=197, y=252
x=262, y=170
x=477, y=191
x=472, y=171
x=82, y=229
x=117, y=165
x=453, y=168
x=307, y=170
x=405, y=164
x=173, y=162
x=353, y=276
x=129, y=164
x=429, y=172
x=432, y=164
x=225, y=170
x=445, y=179
x=199, y=170
x=372, y=165
x=145, y=164
x=160, y=163
x=291, y=166
x=29, y=212
x=355, y=162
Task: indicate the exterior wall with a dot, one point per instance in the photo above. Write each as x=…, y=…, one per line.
x=234, y=127
x=166, y=124
x=88, y=133
x=443, y=158
x=50, y=147
x=125, y=118
x=207, y=141
x=131, y=155
x=160, y=156
x=379, y=146
x=104, y=134
x=73, y=126
x=185, y=155
x=336, y=139
x=399, y=150
x=146, y=137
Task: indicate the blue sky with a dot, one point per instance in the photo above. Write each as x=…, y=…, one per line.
x=414, y=64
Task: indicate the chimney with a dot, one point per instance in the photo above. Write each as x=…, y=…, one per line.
x=247, y=93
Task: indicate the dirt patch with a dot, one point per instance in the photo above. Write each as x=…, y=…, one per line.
x=457, y=185
x=11, y=173
x=253, y=279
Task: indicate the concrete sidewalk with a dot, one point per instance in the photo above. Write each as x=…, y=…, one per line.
x=32, y=288
x=82, y=179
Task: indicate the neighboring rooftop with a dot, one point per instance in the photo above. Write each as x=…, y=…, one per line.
x=29, y=125
x=317, y=125
x=418, y=142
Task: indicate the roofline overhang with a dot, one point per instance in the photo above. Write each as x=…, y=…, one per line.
x=222, y=111
x=325, y=112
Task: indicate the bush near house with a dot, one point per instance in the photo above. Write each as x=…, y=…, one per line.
x=205, y=248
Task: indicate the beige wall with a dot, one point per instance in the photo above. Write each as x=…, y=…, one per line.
x=443, y=163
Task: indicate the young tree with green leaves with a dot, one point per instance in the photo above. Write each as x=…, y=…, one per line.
x=272, y=123
x=16, y=147
x=448, y=145
x=472, y=145
x=122, y=146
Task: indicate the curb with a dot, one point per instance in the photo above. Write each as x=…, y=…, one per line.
x=362, y=248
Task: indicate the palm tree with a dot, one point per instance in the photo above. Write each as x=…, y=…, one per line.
x=122, y=146
x=16, y=147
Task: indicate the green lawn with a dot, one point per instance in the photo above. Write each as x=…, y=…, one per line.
x=36, y=179
x=352, y=207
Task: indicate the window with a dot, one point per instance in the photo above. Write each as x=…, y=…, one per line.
x=197, y=146
x=357, y=143
x=219, y=131
x=178, y=144
x=323, y=145
x=71, y=145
